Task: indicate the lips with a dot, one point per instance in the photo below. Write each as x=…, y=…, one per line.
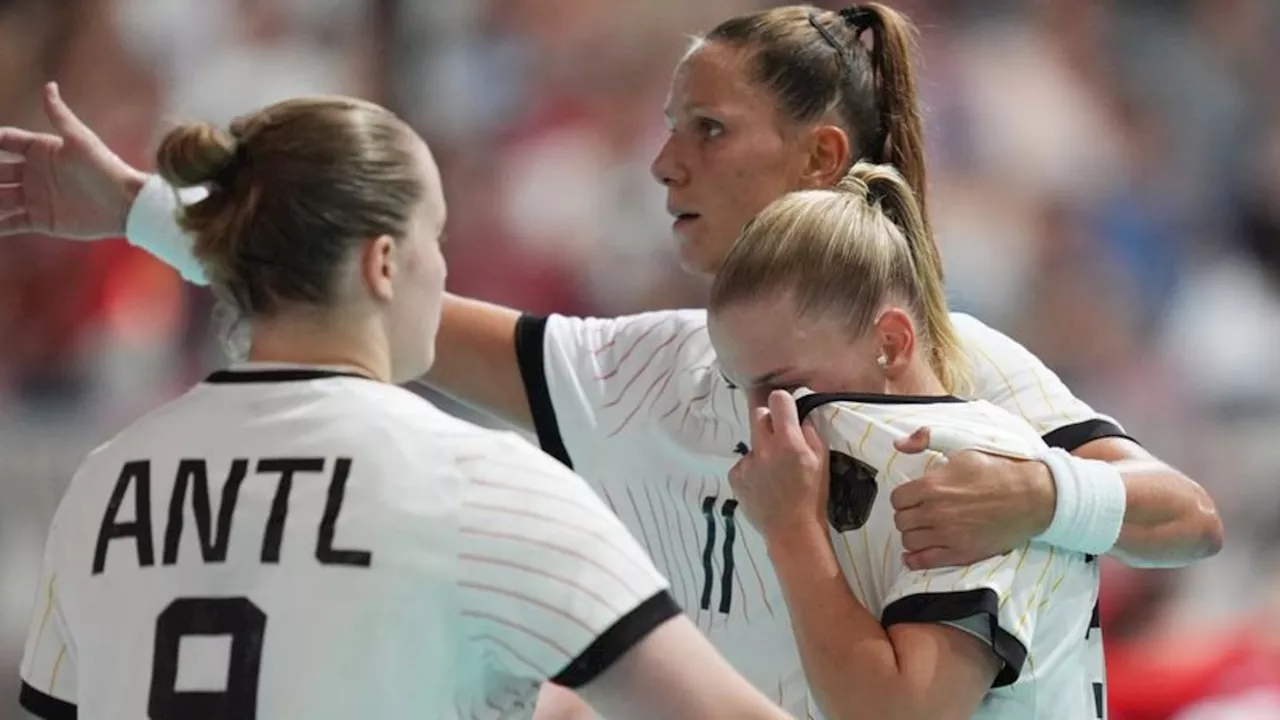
x=683, y=221
x=682, y=217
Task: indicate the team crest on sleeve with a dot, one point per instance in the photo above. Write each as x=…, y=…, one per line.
x=853, y=492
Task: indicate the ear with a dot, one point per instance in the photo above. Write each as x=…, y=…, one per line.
x=827, y=157
x=379, y=263
x=896, y=337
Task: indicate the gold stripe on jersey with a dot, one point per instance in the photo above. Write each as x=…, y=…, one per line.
x=57, y=666
x=44, y=618
x=1008, y=591
x=1013, y=393
x=1007, y=557
x=1043, y=393
x=1036, y=594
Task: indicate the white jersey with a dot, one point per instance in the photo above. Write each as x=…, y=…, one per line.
x=302, y=543
x=1035, y=606
x=638, y=407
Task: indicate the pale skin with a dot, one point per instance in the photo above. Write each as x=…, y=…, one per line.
x=911, y=670
x=382, y=323
x=730, y=152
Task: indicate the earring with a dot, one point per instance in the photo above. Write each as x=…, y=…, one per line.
x=882, y=361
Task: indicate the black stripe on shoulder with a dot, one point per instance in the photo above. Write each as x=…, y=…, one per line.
x=617, y=640
x=952, y=606
x=1071, y=437
x=531, y=331
x=45, y=706
x=809, y=403
x=276, y=375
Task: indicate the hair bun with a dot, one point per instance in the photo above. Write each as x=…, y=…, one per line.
x=194, y=154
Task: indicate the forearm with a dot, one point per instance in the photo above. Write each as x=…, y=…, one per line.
x=476, y=359
x=1169, y=520
x=850, y=661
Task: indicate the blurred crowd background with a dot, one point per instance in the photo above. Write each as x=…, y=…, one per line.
x=1106, y=188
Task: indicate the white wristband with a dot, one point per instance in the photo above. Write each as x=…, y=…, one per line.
x=152, y=225
x=1090, y=506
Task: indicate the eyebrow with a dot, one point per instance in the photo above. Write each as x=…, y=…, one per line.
x=717, y=111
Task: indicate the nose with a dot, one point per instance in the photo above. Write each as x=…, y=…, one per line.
x=666, y=167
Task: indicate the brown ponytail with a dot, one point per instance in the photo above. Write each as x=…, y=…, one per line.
x=902, y=130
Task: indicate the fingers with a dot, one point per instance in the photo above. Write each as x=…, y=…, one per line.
x=786, y=419
x=813, y=440
x=14, y=223
x=932, y=558
x=916, y=442
x=915, y=518
x=920, y=540
x=11, y=173
x=908, y=495
x=11, y=198
x=64, y=120
x=18, y=142
x=761, y=426
x=735, y=473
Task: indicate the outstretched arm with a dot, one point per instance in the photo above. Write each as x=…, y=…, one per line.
x=1169, y=520
x=476, y=359
x=69, y=184
x=979, y=505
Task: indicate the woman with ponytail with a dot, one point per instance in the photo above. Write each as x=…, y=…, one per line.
x=766, y=103
x=868, y=363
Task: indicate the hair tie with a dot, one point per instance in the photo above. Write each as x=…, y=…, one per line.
x=239, y=160
x=858, y=17
x=831, y=40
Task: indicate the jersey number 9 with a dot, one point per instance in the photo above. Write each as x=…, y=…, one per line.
x=236, y=617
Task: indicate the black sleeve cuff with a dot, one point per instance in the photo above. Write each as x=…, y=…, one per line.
x=952, y=606
x=617, y=640
x=531, y=333
x=1070, y=437
x=45, y=706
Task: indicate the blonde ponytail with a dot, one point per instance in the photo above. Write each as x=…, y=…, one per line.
x=847, y=250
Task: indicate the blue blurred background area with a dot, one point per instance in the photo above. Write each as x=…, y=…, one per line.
x=1105, y=182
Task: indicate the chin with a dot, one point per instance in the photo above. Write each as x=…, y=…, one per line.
x=697, y=259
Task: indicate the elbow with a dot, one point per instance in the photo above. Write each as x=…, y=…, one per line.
x=1206, y=535
x=1193, y=536
x=1212, y=534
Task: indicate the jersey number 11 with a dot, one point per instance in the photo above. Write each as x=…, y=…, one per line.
x=708, y=552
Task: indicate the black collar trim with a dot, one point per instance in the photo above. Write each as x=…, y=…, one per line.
x=809, y=403
x=276, y=375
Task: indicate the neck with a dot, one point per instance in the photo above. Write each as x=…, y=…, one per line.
x=306, y=338
x=917, y=379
